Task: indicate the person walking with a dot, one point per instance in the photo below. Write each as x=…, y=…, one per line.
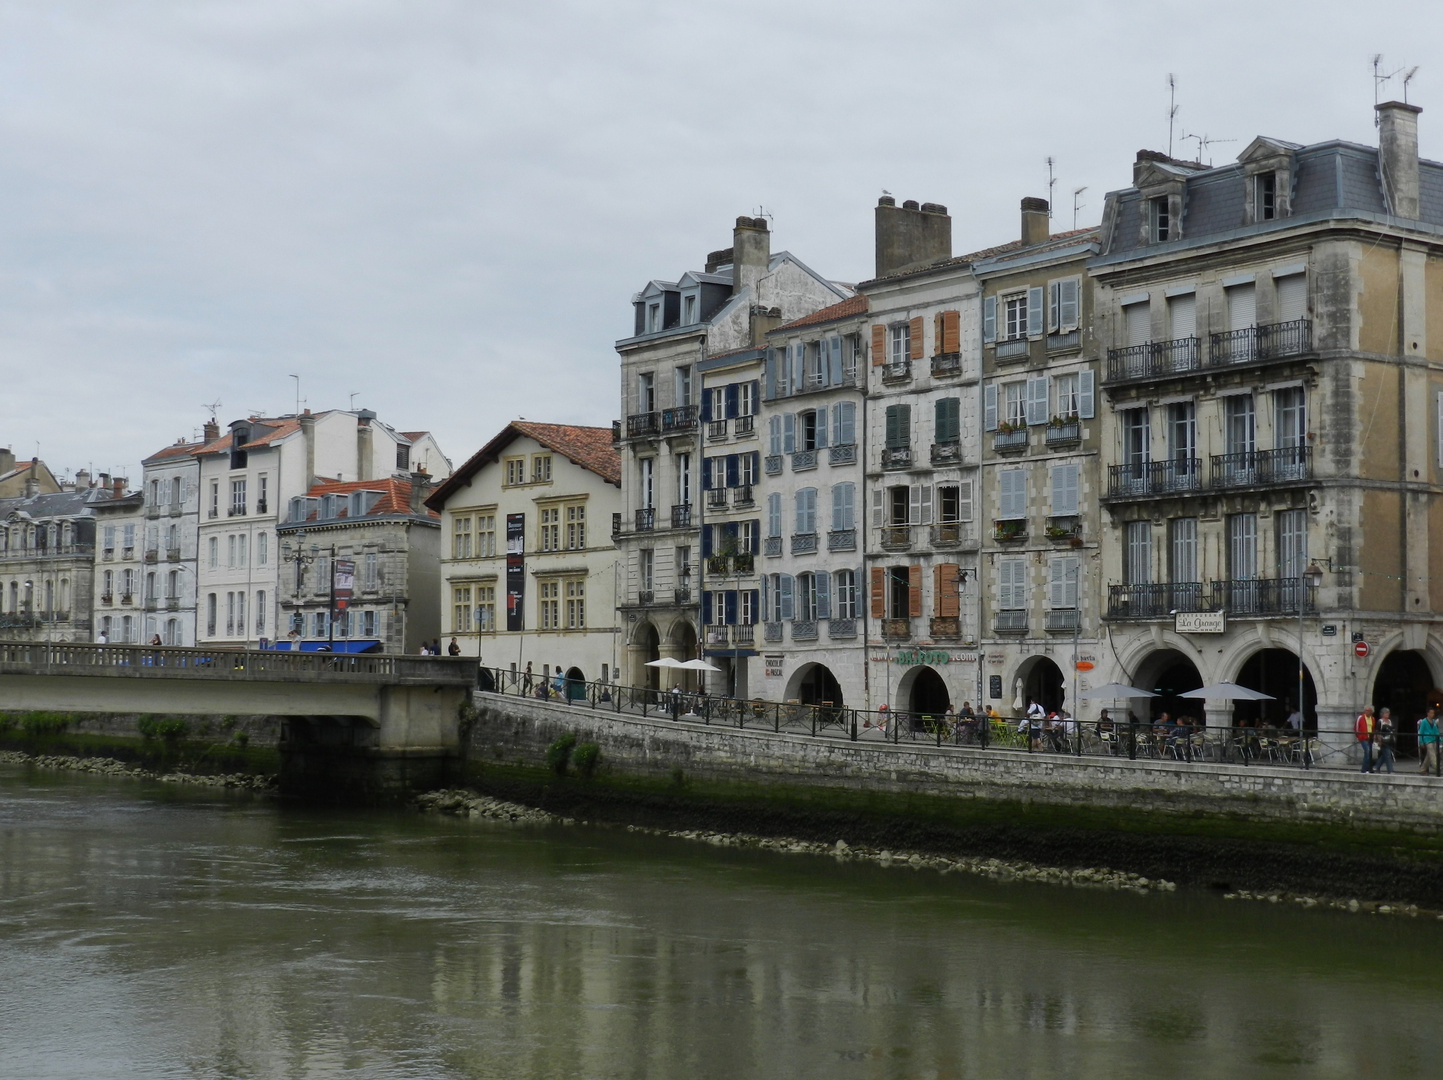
x=1385, y=736
x=453, y=649
x=526, y=679
x=1363, y=731
x=558, y=683
x=1428, y=742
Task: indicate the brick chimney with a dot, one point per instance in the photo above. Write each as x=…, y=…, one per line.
x=212, y=430
x=117, y=486
x=751, y=252
x=1398, y=156
x=1035, y=226
x=911, y=235
x=420, y=491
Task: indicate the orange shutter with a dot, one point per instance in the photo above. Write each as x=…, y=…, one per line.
x=916, y=332
x=945, y=598
x=879, y=594
x=914, y=591
x=879, y=345
x=950, y=332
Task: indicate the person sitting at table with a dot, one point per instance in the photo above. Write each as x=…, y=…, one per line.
x=1104, y=723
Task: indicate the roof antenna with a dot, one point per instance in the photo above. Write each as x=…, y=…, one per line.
x=1051, y=183
x=298, y=394
x=353, y=401
x=1171, y=109
x=762, y=212
x=1378, y=80
x=1406, y=80
x=213, y=406
x=1076, y=206
x=1203, y=142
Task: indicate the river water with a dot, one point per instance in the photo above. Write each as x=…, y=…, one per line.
x=148, y=930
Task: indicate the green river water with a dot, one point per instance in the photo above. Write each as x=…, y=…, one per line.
x=149, y=930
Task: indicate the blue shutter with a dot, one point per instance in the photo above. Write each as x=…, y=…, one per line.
x=769, y=381
x=731, y=607
x=822, y=428
x=756, y=465
x=765, y=597
x=705, y=406
x=733, y=472
x=989, y=319
x=824, y=599
x=756, y=395
x=731, y=399
x=706, y=474
x=706, y=541
x=1085, y=394
x=705, y=608
x=836, y=365
x=989, y=407
x=789, y=433
x=1034, y=311
x=756, y=604
x=786, y=591
x=732, y=529
x=756, y=533
x=774, y=432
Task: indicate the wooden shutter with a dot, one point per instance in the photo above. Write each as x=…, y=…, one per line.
x=824, y=599
x=914, y=591
x=914, y=336
x=1037, y=400
x=1054, y=306
x=937, y=331
x=786, y=596
x=879, y=592
x=879, y=345
x=1085, y=407
x=945, y=598
x=989, y=319
x=1034, y=311
x=989, y=407
x=878, y=496
x=951, y=332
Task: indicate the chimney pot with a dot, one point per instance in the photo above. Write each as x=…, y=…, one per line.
x=212, y=430
x=752, y=251
x=886, y=200
x=910, y=235
x=7, y=459
x=1398, y=156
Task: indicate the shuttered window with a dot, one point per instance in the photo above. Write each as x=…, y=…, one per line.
x=1182, y=316
x=1242, y=307
x=1037, y=400
x=948, y=426
x=1183, y=553
x=1137, y=556
x=806, y=510
x=899, y=427
x=1012, y=584
x=1034, y=311
x=1062, y=305
x=1292, y=297
x=844, y=423
x=1243, y=547
x=1011, y=494
x=1292, y=543
x=879, y=345
x=989, y=414
x=951, y=331
x=989, y=319
x=914, y=591
x=774, y=514
x=1136, y=320
x=1064, y=490
x=1085, y=400
x=914, y=339
x=1062, y=574
x=844, y=506
x=944, y=590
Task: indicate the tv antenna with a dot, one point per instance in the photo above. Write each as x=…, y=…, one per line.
x=298, y=394
x=1203, y=142
x=1171, y=109
x=1051, y=183
x=353, y=400
x=213, y=407
x=1407, y=78
x=1379, y=78
x=1076, y=205
x=763, y=212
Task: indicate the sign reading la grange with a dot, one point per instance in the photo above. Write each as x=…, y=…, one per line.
x=1200, y=622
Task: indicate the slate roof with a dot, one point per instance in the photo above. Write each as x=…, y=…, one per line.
x=395, y=498
x=58, y=503
x=853, y=305
x=588, y=447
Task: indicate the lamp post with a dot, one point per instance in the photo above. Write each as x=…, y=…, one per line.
x=1311, y=578
x=331, y=593
x=300, y=558
x=979, y=710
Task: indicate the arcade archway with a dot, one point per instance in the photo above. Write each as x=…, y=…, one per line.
x=1169, y=674
x=1041, y=682
x=1405, y=685
x=814, y=684
x=647, y=646
x=927, y=695
x=1275, y=672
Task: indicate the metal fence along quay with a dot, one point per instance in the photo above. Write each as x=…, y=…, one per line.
x=1136, y=740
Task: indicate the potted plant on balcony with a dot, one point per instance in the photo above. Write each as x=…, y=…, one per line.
x=1010, y=530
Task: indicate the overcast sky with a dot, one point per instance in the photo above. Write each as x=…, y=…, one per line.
x=444, y=207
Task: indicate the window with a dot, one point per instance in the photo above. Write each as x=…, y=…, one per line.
x=899, y=427
x=688, y=309
x=210, y=615
x=403, y=457
x=645, y=392
x=898, y=503
x=900, y=348
x=682, y=563
x=646, y=567
x=127, y=628
x=843, y=507
x=548, y=605
x=806, y=511
x=128, y=541
x=485, y=536
x=774, y=435
x=486, y=608
x=261, y=503
x=155, y=493
x=321, y=624
x=955, y=502
x=238, y=496
x=171, y=635
x=647, y=493
x=1292, y=543
x=1290, y=427
x=749, y=605
x=576, y=603
x=515, y=469
x=1136, y=437
x=230, y=552
x=1292, y=297
x=461, y=537
x=1239, y=424
x=1265, y=196
x=172, y=585
x=774, y=514
x=550, y=539
x=1064, y=489
x=1243, y=547
x=541, y=469
x=323, y=575
x=150, y=593
x=1011, y=494
x=683, y=480
x=260, y=613
x=805, y=597
x=371, y=578
x=1062, y=581
x=1062, y=313
x=1014, y=309
x=1159, y=220
x=682, y=385
x=215, y=498
x=747, y=536
x=241, y=549
x=1182, y=550
x=1137, y=555
x=368, y=624
x=1065, y=396
x=844, y=423
x=461, y=609
x=177, y=491
x=947, y=427
x=1182, y=431
x=748, y=465
x=653, y=318
x=812, y=429
x=747, y=399
x=1012, y=584
x=846, y=594
x=1014, y=404
x=898, y=592
x=1182, y=321
x=575, y=527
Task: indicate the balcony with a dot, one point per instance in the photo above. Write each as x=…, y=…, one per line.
x=646, y=520
x=125, y=552
x=1255, y=468
x=1060, y=619
x=772, y=631
x=896, y=538
x=1156, y=601
x=682, y=418
x=743, y=425
x=1071, y=339
x=744, y=562
x=1010, y=441
x=804, y=630
x=1141, y=479
x=948, y=453
x=772, y=545
x=896, y=629
x=1009, y=530
x=643, y=425
x=803, y=460
x=1065, y=530
x=1067, y=433
x=153, y=511
x=152, y=555
x=107, y=599
x=1274, y=341
x=844, y=454
x=804, y=543
x=717, y=565
x=950, y=534
x=716, y=430
x=742, y=496
x=681, y=516
x=842, y=540
x=1264, y=596
x=1010, y=622
x=772, y=463
x=1154, y=359
x=176, y=509
x=841, y=628
x=645, y=597
x=681, y=596
x=127, y=598
x=172, y=603
x=716, y=499
x=151, y=604
x=107, y=554
x=898, y=372
x=946, y=628
x=172, y=554
x=1016, y=349
x=944, y=364
x=897, y=457
x=743, y=635
x=718, y=636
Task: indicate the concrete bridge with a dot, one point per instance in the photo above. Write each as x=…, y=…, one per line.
x=362, y=724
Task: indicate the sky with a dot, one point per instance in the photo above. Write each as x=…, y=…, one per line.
x=439, y=210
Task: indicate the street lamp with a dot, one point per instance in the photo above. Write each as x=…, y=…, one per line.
x=300, y=558
x=1311, y=579
x=979, y=710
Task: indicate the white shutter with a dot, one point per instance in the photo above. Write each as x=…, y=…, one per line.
x=1034, y=311
x=964, y=491
x=1137, y=321
x=1067, y=304
x=1064, y=490
x=1054, y=305
x=877, y=515
x=926, y=504
x=789, y=433
x=1085, y=406
x=1057, y=583
x=1182, y=316
x=824, y=600
x=1037, y=400
x=1012, y=494
x=785, y=590
x=1242, y=307
x=822, y=428
x=914, y=505
x=774, y=434
x=1292, y=297
x=989, y=412
x=989, y=319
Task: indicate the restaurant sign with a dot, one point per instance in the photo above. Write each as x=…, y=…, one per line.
x=922, y=656
x=1200, y=622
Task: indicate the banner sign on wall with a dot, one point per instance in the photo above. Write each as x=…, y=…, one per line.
x=515, y=572
x=345, y=571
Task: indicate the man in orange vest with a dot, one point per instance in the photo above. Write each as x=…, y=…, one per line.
x=1363, y=728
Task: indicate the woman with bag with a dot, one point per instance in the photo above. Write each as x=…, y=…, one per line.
x=1386, y=737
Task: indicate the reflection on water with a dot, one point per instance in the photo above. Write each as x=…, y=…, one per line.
x=146, y=931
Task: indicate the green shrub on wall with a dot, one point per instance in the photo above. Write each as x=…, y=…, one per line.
x=586, y=757
x=165, y=728
x=37, y=725
x=558, y=754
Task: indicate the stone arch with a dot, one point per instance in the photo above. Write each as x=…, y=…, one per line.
x=1274, y=670
x=922, y=691
x=813, y=684
x=1042, y=679
x=1138, y=648
x=1168, y=673
x=1240, y=650
x=1414, y=639
x=645, y=646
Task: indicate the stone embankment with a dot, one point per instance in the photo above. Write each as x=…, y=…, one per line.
x=102, y=766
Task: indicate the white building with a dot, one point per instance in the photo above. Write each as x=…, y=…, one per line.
x=119, y=581
x=171, y=486
x=528, y=571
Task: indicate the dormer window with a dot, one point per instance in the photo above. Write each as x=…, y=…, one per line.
x=688, y=309
x=653, y=318
x=1159, y=219
x=1265, y=196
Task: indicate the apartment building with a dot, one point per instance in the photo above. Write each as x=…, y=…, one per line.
x=171, y=488
x=528, y=572
x=679, y=327
x=119, y=598
x=1272, y=421
x=1040, y=540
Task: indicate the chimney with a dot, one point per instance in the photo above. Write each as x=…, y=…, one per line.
x=751, y=252
x=212, y=430
x=7, y=460
x=911, y=236
x=715, y=260
x=420, y=491
x=117, y=488
x=32, y=481
x=1034, y=221
x=308, y=429
x=1398, y=156
x=365, y=456
x=82, y=479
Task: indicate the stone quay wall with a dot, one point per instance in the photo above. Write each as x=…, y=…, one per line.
x=518, y=730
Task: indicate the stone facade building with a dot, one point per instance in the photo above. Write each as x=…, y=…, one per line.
x=171, y=487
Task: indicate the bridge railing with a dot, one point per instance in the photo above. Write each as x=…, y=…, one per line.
x=160, y=661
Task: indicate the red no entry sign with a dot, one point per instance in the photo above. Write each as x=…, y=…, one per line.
x=1360, y=648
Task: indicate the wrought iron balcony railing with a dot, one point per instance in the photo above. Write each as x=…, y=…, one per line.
x=1254, y=468
x=1272, y=341
x=1154, y=359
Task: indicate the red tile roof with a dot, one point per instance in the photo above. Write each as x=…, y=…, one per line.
x=175, y=449
x=588, y=447
x=265, y=431
x=988, y=253
x=395, y=495
x=853, y=305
